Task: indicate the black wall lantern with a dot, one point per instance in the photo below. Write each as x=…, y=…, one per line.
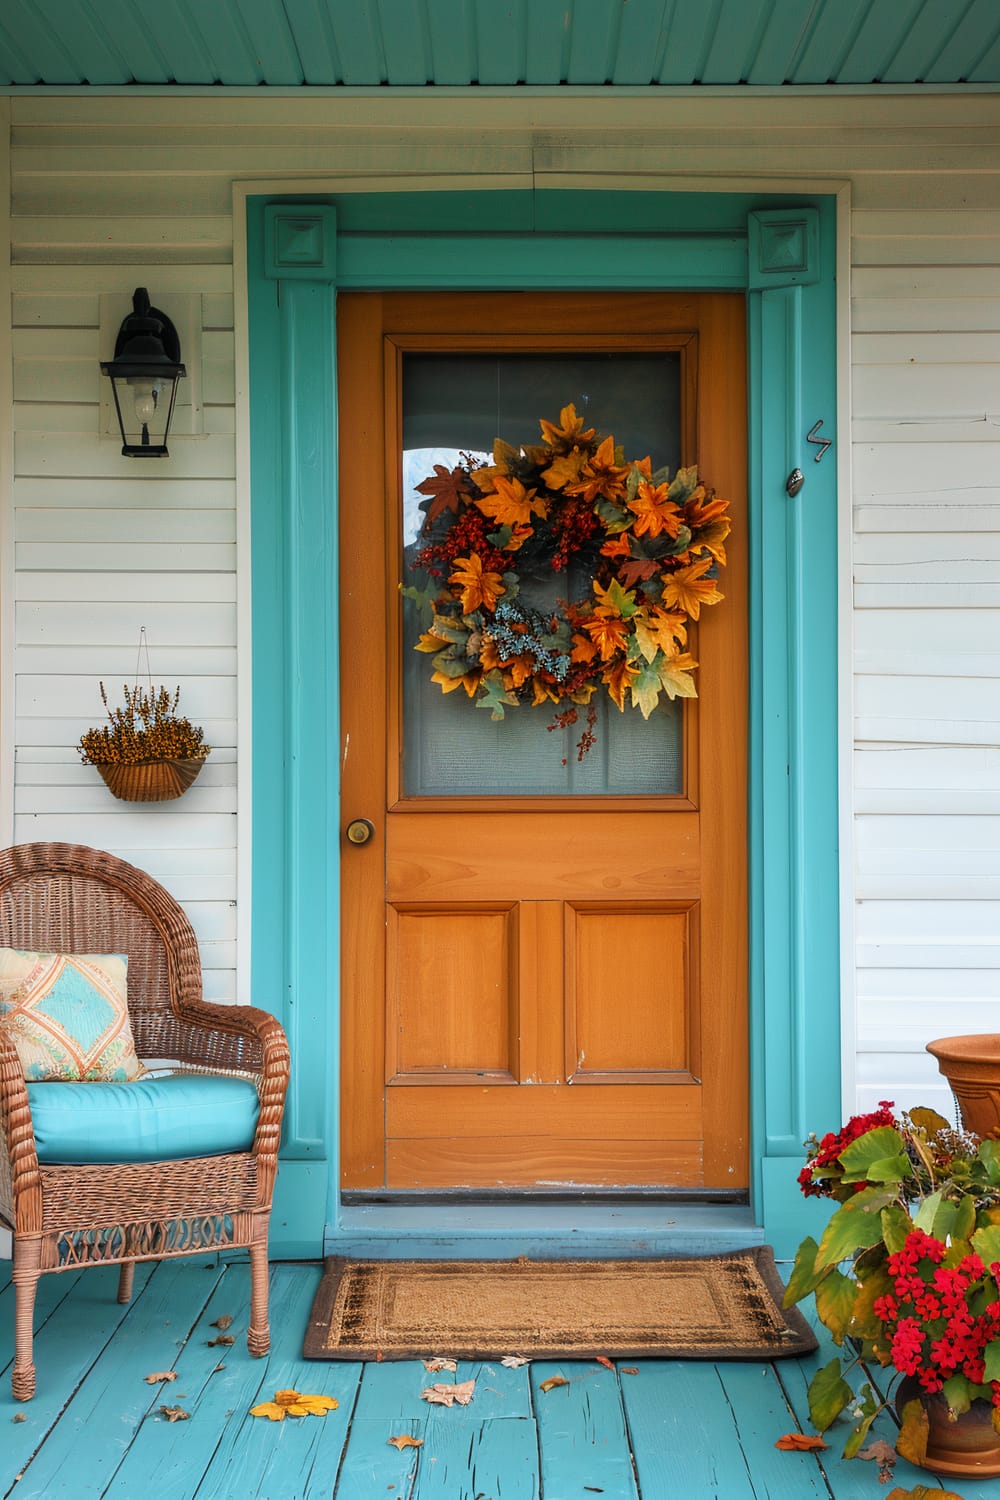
x=144, y=375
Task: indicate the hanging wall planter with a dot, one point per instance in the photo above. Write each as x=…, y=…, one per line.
x=146, y=752
x=971, y=1065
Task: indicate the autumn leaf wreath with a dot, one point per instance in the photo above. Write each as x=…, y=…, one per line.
x=651, y=545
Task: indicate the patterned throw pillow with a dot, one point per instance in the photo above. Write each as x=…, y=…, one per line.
x=67, y=1015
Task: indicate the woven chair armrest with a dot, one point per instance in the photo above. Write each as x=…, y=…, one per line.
x=18, y=1137
x=268, y=1046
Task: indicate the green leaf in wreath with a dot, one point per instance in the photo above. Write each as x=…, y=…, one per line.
x=424, y=599
x=615, y=519
x=804, y=1278
x=912, y=1440
x=645, y=689
x=829, y=1393
x=452, y=666
x=876, y=1145
x=835, y=1299
x=494, y=696
x=502, y=537
x=622, y=599
x=896, y=1225
x=684, y=485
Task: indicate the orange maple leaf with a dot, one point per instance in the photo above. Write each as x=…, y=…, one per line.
x=609, y=635
x=711, y=537
x=511, y=504
x=450, y=489
x=799, y=1442
x=617, y=546
x=480, y=589
x=654, y=512
x=569, y=432
x=600, y=475
x=688, y=589
x=618, y=678
x=584, y=648
x=703, y=506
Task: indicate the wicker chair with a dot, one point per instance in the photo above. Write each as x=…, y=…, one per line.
x=67, y=898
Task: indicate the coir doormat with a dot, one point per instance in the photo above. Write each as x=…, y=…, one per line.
x=713, y=1307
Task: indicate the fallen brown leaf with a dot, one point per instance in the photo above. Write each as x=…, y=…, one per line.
x=439, y=1363
x=799, y=1442
x=459, y=1394
x=552, y=1382
x=922, y=1492
x=404, y=1440
x=222, y=1323
x=601, y=1360
x=19, y=1417
x=514, y=1361
x=225, y=1340
x=160, y=1376
x=630, y=1369
x=175, y=1413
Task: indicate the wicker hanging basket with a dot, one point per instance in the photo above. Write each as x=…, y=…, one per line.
x=149, y=780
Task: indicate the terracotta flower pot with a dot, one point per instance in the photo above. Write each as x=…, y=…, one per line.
x=971, y=1065
x=967, y=1446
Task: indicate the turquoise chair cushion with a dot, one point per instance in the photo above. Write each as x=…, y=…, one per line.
x=149, y=1119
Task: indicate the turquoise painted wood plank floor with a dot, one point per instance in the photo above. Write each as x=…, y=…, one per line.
x=672, y=1430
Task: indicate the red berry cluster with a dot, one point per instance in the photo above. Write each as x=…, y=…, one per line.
x=929, y=1314
x=827, y=1151
x=466, y=534
x=572, y=524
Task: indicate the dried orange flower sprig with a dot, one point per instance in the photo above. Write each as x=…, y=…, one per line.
x=148, y=727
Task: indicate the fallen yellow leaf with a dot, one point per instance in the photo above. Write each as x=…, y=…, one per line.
x=294, y=1404
x=404, y=1440
x=552, y=1382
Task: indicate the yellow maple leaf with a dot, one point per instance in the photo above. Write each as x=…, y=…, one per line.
x=504, y=456
x=294, y=1404
x=511, y=504
x=431, y=643
x=654, y=512
x=480, y=589
x=659, y=630
x=688, y=589
x=570, y=431
x=565, y=468
x=674, y=673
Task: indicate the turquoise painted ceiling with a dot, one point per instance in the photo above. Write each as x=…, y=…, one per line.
x=302, y=44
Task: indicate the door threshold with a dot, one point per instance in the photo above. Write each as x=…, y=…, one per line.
x=581, y=1229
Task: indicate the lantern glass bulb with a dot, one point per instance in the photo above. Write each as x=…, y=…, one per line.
x=145, y=395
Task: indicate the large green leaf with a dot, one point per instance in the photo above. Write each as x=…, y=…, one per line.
x=829, y=1393
x=991, y=1358
x=964, y=1223
x=956, y=1392
x=835, y=1299
x=875, y=1145
x=804, y=1278
x=986, y=1243
x=989, y=1155
x=927, y=1212
x=850, y=1228
x=889, y=1169
x=928, y=1120
x=896, y=1225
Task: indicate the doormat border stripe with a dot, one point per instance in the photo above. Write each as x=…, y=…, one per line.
x=355, y=1314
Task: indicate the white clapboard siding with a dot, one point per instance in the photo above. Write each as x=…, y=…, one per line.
x=109, y=194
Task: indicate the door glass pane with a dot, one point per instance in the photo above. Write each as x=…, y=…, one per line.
x=456, y=404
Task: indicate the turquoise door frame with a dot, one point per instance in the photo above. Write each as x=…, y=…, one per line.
x=780, y=251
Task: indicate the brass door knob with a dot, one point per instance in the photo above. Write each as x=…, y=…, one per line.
x=359, y=831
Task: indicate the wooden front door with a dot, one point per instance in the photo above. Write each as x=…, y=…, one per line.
x=544, y=971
